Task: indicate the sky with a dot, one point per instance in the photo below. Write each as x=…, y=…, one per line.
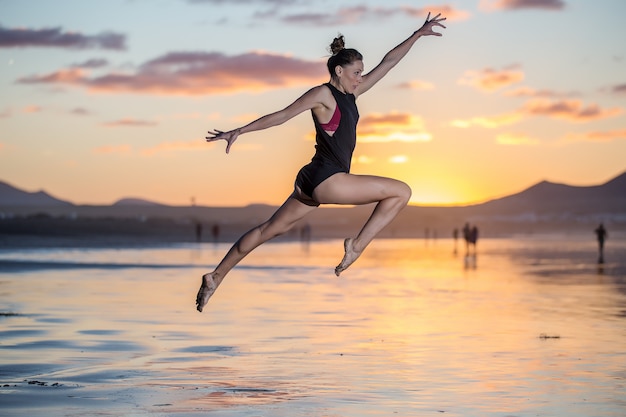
x=107, y=100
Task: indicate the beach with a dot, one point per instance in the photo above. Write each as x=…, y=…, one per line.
x=530, y=326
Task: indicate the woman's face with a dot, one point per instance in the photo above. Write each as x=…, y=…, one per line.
x=350, y=76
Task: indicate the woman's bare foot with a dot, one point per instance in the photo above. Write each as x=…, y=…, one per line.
x=207, y=289
x=348, y=258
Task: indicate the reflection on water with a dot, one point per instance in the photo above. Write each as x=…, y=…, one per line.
x=534, y=328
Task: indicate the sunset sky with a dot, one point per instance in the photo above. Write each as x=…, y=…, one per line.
x=105, y=100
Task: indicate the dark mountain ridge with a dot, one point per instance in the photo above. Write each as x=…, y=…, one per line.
x=11, y=196
x=549, y=196
x=545, y=207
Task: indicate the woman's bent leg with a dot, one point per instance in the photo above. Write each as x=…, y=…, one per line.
x=391, y=195
x=282, y=221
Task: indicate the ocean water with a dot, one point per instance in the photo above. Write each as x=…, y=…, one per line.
x=527, y=327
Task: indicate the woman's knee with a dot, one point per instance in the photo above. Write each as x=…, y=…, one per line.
x=403, y=191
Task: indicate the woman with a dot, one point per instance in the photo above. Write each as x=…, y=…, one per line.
x=327, y=179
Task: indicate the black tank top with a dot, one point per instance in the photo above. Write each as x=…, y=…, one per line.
x=338, y=148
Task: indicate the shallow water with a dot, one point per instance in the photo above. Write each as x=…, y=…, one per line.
x=529, y=327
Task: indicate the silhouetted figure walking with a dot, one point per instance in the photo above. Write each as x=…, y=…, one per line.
x=601, y=235
x=466, y=237
x=198, y=232
x=473, y=238
x=455, y=235
x=215, y=232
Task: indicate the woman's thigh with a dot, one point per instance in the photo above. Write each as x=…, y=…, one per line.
x=345, y=188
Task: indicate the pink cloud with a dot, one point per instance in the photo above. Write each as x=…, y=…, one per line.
x=80, y=111
x=356, y=14
x=490, y=80
x=56, y=38
x=195, y=73
x=415, y=85
x=531, y=92
x=598, y=136
x=402, y=127
x=31, y=109
x=572, y=110
x=522, y=4
x=619, y=89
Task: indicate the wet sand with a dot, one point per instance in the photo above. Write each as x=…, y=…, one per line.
x=529, y=327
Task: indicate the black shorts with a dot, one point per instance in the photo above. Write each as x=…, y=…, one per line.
x=313, y=174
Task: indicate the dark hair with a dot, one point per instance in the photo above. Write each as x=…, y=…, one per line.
x=341, y=55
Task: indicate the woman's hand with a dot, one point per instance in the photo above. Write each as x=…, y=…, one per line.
x=230, y=137
x=427, y=27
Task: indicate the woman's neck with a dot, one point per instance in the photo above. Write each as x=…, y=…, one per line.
x=337, y=85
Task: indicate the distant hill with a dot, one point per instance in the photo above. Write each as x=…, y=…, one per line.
x=11, y=196
x=541, y=208
x=552, y=197
x=135, y=202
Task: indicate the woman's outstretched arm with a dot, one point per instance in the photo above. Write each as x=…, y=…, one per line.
x=396, y=54
x=313, y=98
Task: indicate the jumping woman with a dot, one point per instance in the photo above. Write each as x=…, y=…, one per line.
x=326, y=179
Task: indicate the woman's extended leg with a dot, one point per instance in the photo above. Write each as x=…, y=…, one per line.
x=284, y=219
x=391, y=195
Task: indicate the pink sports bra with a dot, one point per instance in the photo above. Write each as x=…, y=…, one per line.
x=334, y=121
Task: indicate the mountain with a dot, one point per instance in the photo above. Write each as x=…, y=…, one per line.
x=543, y=207
x=552, y=197
x=11, y=196
x=135, y=202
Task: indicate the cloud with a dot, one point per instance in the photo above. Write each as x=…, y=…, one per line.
x=245, y=2
x=391, y=127
x=490, y=5
x=490, y=122
x=33, y=108
x=531, y=92
x=572, y=110
x=415, y=85
x=364, y=159
x=5, y=114
x=55, y=38
x=598, y=136
x=490, y=80
x=619, y=89
x=130, y=123
x=399, y=159
x=80, y=111
x=515, y=139
x=195, y=73
x=92, y=63
x=357, y=14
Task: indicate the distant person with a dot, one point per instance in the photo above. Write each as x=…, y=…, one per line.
x=466, y=236
x=215, y=232
x=473, y=238
x=327, y=179
x=601, y=235
x=198, y=232
x=455, y=236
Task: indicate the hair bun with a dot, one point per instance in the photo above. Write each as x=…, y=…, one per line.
x=337, y=45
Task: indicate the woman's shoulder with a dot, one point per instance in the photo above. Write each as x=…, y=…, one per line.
x=323, y=94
